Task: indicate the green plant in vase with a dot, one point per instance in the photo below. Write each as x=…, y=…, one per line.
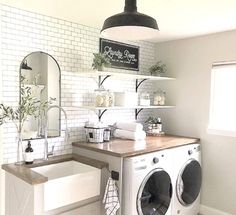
x=154, y=125
x=100, y=61
x=152, y=120
x=28, y=106
x=158, y=69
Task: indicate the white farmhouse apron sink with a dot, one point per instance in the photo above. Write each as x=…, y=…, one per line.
x=69, y=182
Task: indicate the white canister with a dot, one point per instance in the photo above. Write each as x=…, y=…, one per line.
x=144, y=99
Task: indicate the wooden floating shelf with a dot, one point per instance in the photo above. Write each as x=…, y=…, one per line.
x=117, y=107
x=123, y=75
x=104, y=75
x=102, y=110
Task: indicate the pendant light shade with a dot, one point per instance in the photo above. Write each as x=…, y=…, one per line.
x=130, y=25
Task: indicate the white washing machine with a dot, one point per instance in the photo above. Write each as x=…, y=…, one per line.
x=147, y=184
x=187, y=180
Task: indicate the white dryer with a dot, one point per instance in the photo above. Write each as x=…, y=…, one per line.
x=187, y=180
x=147, y=184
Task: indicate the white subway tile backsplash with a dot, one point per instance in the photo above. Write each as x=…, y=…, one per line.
x=72, y=46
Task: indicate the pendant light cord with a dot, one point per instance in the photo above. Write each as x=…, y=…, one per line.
x=130, y=6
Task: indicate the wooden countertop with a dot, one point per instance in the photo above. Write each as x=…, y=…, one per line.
x=25, y=172
x=128, y=148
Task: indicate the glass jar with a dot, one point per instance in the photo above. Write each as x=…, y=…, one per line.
x=145, y=99
x=111, y=98
x=159, y=97
x=101, y=98
x=107, y=135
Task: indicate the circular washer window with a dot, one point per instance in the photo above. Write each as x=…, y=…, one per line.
x=155, y=193
x=189, y=182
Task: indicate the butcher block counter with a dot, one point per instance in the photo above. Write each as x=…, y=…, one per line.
x=25, y=172
x=128, y=148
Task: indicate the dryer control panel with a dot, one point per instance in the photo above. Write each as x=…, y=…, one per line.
x=194, y=149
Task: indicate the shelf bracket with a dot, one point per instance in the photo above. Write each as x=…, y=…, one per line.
x=101, y=80
x=138, y=83
x=100, y=114
x=137, y=111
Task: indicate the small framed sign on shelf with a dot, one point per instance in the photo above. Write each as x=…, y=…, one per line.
x=121, y=55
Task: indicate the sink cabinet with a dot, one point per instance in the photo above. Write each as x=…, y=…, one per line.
x=23, y=198
x=72, y=189
x=68, y=182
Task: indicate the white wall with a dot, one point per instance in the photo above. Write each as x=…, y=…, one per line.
x=72, y=45
x=78, y=11
x=190, y=62
x=2, y=175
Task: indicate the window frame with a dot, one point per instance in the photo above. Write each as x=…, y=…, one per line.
x=211, y=129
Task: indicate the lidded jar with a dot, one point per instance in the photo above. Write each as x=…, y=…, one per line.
x=159, y=97
x=144, y=99
x=101, y=97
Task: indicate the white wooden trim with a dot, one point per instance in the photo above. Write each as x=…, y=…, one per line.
x=2, y=175
x=75, y=108
x=204, y=210
x=221, y=132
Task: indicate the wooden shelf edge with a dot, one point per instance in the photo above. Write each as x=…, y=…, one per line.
x=123, y=75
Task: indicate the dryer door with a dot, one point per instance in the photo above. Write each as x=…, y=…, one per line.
x=189, y=182
x=155, y=193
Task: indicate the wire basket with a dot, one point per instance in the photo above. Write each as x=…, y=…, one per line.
x=94, y=134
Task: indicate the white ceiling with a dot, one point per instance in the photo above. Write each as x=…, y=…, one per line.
x=177, y=19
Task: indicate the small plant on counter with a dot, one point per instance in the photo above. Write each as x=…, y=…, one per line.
x=154, y=126
x=100, y=61
x=152, y=120
x=158, y=69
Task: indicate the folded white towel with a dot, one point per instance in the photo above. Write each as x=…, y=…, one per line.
x=130, y=126
x=111, y=198
x=139, y=135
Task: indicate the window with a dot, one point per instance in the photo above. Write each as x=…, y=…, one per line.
x=222, y=118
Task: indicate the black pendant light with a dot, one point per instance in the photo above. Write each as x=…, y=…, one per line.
x=130, y=25
x=25, y=66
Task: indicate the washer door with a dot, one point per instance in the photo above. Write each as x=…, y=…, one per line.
x=189, y=182
x=155, y=193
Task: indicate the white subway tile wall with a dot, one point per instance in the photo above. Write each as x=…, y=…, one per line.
x=72, y=45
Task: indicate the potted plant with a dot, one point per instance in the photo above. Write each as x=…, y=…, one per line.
x=154, y=125
x=158, y=69
x=100, y=61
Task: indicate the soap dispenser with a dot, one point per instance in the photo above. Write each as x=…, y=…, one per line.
x=159, y=124
x=29, y=154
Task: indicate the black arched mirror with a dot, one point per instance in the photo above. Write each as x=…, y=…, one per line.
x=40, y=87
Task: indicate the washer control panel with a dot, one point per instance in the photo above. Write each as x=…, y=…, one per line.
x=155, y=160
x=143, y=162
x=140, y=164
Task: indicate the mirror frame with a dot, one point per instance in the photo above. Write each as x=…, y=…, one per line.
x=38, y=138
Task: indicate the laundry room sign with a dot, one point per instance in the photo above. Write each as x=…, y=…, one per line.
x=121, y=55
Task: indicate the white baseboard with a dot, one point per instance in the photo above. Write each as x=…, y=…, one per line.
x=204, y=210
